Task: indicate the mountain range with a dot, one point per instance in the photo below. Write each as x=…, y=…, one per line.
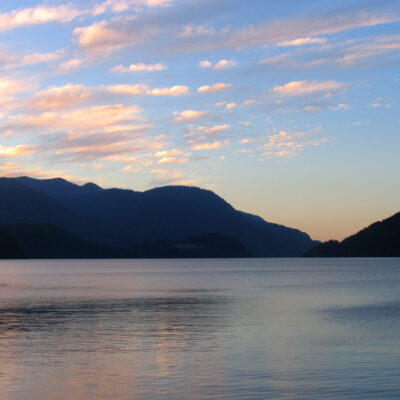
x=170, y=221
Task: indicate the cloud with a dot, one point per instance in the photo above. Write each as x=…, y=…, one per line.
x=248, y=102
x=284, y=144
x=9, y=88
x=205, y=64
x=208, y=146
x=169, y=153
x=12, y=86
x=190, y=115
x=16, y=151
x=367, y=52
x=69, y=66
x=11, y=169
x=129, y=89
x=217, y=87
x=296, y=88
x=207, y=138
x=18, y=60
x=60, y=98
x=213, y=130
x=172, y=160
x=246, y=141
x=141, y=89
x=371, y=48
x=100, y=38
x=170, y=177
x=37, y=15
x=302, y=41
x=221, y=64
x=181, y=34
x=118, y=6
x=176, y=90
x=37, y=58
x=81, y=122
x=278, y=31
x=106, y=36
x=230, y=106
x=139, y=68
x=173, y=156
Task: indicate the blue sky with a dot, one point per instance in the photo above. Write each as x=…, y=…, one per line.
x=287, y=109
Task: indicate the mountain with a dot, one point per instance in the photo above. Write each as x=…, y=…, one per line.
x=27, y=241
x=381, y=239
x=119, y=217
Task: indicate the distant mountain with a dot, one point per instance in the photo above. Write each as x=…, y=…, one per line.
x=118, y=217
x=381, y=239
x=27, y=241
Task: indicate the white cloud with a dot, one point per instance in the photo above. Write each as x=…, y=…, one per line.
x=37, y=15
x=213, y=130
x=221, y=64
x=205, y=64
x=169, y=153
x=217, y=87
x=246, y=141
x=141, y=89
x=302, y=41
x=248, y=102
x=172, y=160
x=118, y=6
x=60, y=98
x=70, y=66
x=139, y=68
x=295, y=88
x=9, y=88
x=209, y=146
x=16, y=151
x=290, y=29
x=190, y=115
x=284, y=144
x=37, y=58
x=365, y=50
x=176, y=90
x=230, y=106
x=100, y=38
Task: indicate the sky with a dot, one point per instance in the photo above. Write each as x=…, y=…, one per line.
x=289, y=110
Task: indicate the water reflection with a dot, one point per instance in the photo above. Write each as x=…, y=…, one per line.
x=102, y=349
x=270, y=329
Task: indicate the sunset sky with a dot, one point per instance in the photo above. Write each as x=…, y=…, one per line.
x=287, y=109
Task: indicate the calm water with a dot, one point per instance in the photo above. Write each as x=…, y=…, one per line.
x=200, y=329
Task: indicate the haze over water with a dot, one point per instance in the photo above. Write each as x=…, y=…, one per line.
x=200, y=329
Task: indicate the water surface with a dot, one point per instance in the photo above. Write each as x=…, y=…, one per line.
x=200, y=329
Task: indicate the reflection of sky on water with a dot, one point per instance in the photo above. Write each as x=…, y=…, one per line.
x=278, y=330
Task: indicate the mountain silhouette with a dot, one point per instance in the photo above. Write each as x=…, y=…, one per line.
x=119, y=217
x=381, y=239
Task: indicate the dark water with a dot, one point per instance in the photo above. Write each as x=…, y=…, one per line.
x=205, y=329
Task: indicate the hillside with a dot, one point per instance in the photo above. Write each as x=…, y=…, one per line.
x=381, y=239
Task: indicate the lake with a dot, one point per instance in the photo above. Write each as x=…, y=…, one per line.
x=200, y=329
